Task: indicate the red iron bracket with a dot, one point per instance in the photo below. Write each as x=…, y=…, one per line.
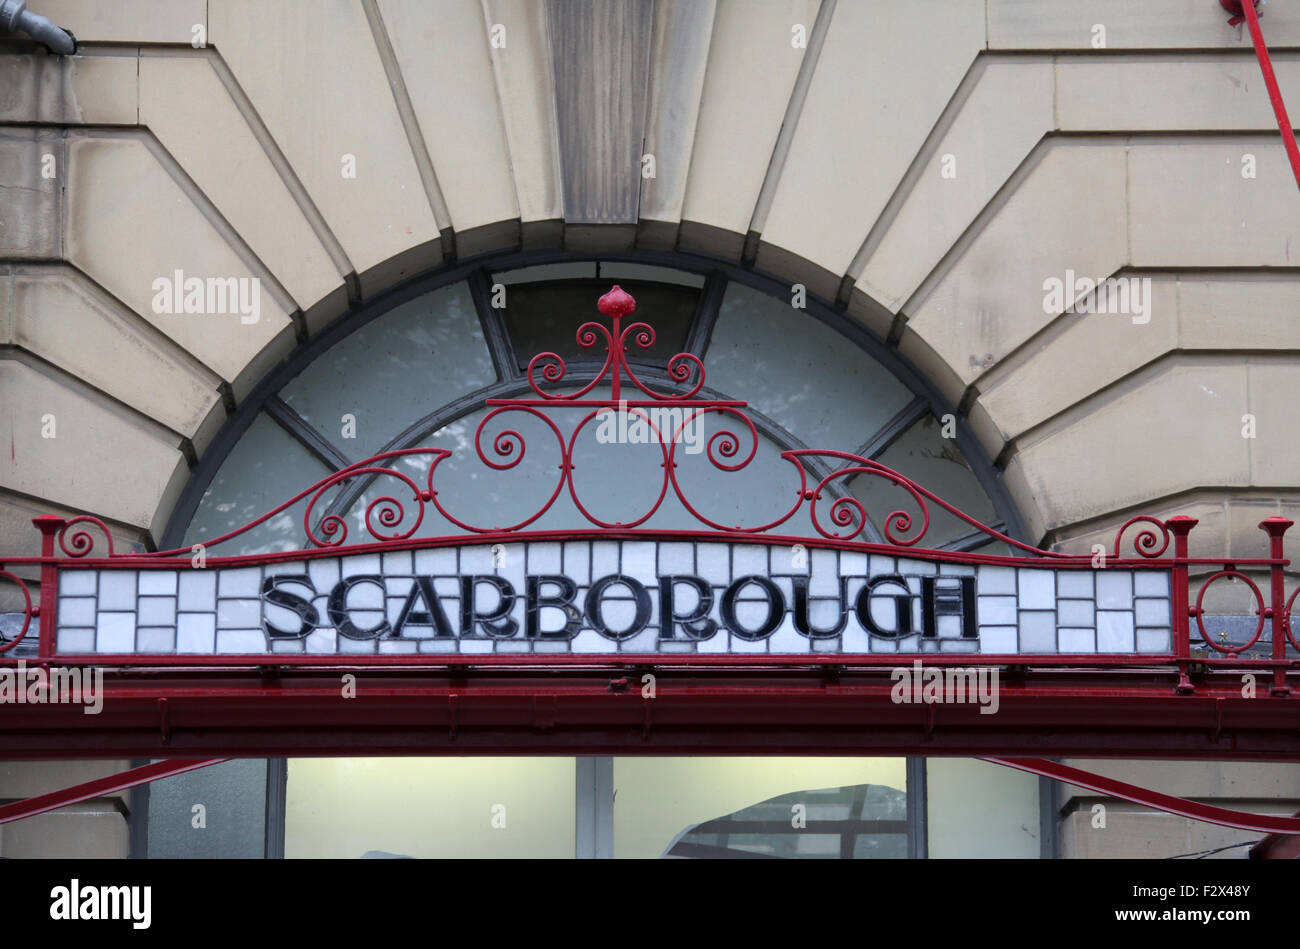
x=1246, y=11
x=1241, y=820
x=44, y=803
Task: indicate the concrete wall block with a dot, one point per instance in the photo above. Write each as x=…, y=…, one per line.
x=993, y=294
x=1191, y=207
x=318, y=83
x=1161, y=92
x=525, y=88
x=99, y=458
x=1174, y=430
x=445, y=59
x=850, y=152
x=1006, y=112
x=92, y=830
x=31, y=166
x=62, y=318
x=24, y=779
x=117, y=187
x=1159, y=24
x=70, y=90
x=129, y=21
x=183, y=102
x=679, y=56
x=1080, y=354
x=746, y=90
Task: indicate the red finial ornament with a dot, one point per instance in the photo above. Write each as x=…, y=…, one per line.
x=618, y=302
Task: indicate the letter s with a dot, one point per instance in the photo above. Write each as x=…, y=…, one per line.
x=308, y=618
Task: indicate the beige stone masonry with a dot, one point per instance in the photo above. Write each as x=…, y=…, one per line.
x=117, y=188
x=746, y=89
x=95, y=88
x=58, y=315
x=318, y=84
x=184, y=104
x=102, y=459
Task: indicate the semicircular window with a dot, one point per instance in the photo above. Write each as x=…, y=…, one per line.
x=415, y=378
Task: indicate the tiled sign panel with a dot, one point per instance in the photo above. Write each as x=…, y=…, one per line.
x=594, y=597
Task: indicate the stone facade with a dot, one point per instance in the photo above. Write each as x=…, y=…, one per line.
x=930, y=166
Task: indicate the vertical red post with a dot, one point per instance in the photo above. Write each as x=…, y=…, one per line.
x=49, y=525
x=1270, y=83
x=1275, y=527
x=1180, y=527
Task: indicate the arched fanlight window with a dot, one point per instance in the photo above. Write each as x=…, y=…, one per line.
x=416, y=369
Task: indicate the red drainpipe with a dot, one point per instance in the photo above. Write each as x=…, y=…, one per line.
x=1246, y=11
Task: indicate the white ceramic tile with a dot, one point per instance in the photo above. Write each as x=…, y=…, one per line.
x=1150, y=612
x=1077, y=583
x=998, y=639
x=239, y=614
x=1153, y=640
x=1038, y=632
x=115, y=632
x=195, y=632
x=1151, y=583
x=117, y=590
x=577, y=562
x=604, y=558
x=158, y=582
x=435, y=562
x=996, y=580
x=397, y=561
x=545, y=558
x=639, y=560
x=1078, y=640
x=1037, y=589
x=957, y=570
x=1114, y=590
x=878, y=565
x=76, y=611
x=78, y=582
x=157, y=639
x=244, y=581
x=1115, y=631
x=198, y=591
x=157, y=611
x=1076, y=613
x=996, y=610
x=360, y=564
x=75, y=641
x=921, y=568
x=234, y=641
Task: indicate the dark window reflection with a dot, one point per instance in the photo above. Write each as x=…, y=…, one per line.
x=545, y=317
x=861, y=821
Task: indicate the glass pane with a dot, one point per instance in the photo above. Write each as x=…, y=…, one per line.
x=217, y=811
x=397, y=368
x=978, y=809
x=617, y=478
x=544, y=317
x=799, y=372
x=265, y=468
x=430, y=807
x=935, y=463
x=703, y=807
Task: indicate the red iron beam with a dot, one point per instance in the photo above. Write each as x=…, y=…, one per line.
x=1241, y=820
x=108, y=784
x=1270, y=81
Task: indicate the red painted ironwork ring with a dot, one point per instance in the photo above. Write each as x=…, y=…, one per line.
x=27, y=611
x=1259, y=598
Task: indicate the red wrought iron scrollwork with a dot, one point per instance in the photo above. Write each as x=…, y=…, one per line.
x=835, y=515
x=397, y=515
